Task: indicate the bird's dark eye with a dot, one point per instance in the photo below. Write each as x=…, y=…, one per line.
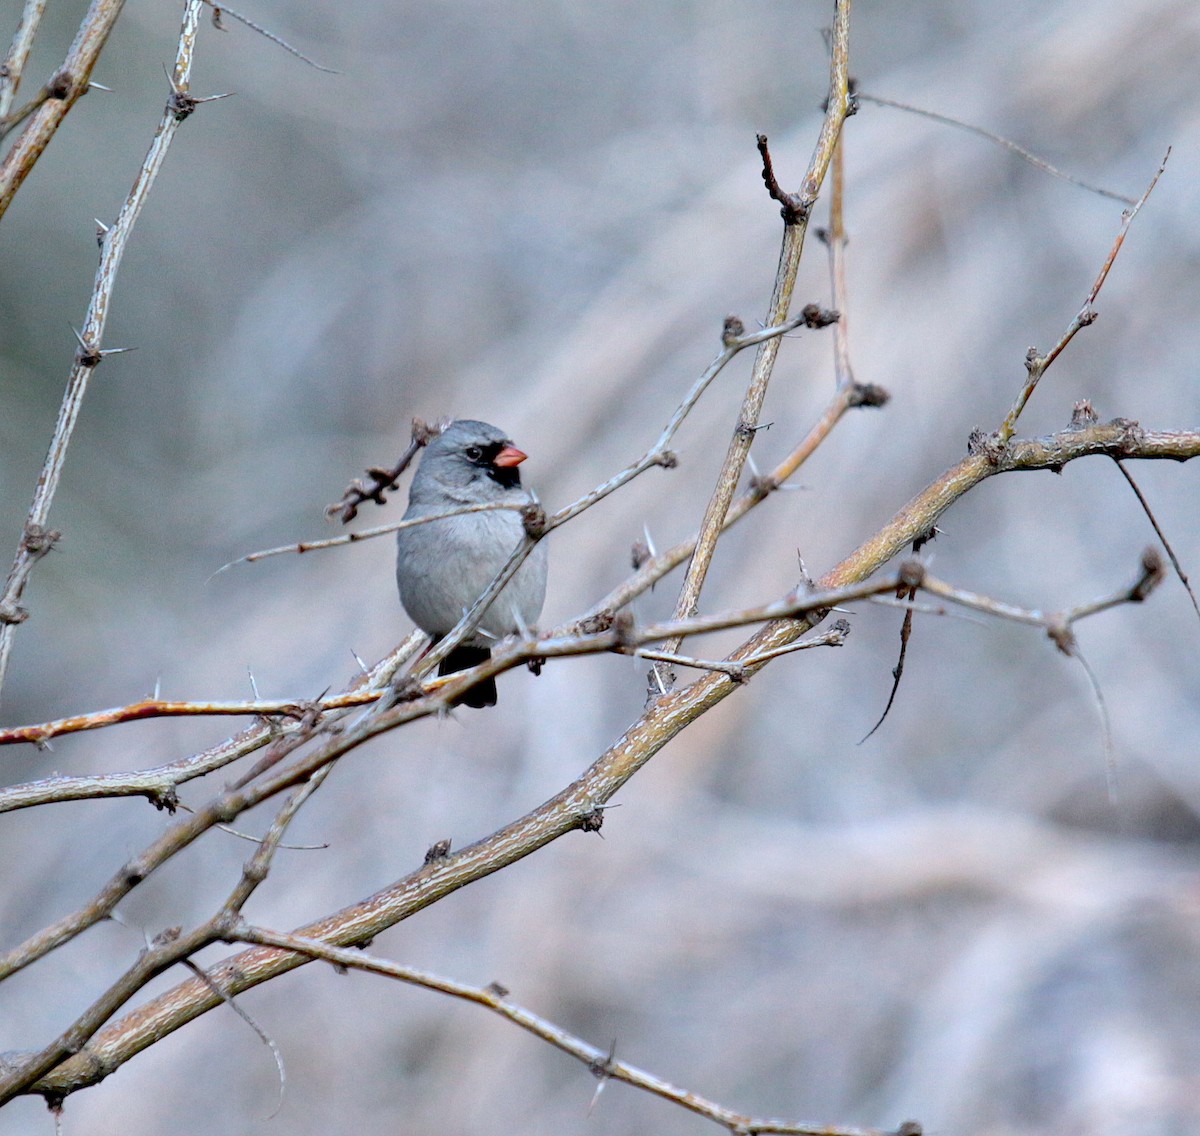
x=474, y=453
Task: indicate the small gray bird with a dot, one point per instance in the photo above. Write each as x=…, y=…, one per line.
x=444, y=566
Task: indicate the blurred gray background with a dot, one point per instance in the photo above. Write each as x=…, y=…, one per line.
x=539, y=216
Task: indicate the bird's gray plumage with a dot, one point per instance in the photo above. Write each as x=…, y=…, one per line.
x=442, y=567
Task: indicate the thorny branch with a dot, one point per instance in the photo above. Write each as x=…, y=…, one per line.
x=600, y=1064
x=577, y=806
x=168, y=948
x=303, y=740
x=66, y=87
x=36, y=538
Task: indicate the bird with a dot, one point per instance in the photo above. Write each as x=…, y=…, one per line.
x=443, y=567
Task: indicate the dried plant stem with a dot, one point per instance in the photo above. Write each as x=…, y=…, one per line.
x=835, y=239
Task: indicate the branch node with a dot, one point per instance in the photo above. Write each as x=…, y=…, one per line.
x=912, y=573
x=622, y=626
x=1132, y=434
x=1083, y=415
x=816, y=316
x=989, y=445
x=732, y=331
x=838, y=632
x=533, y=517
x=13, y=613
x=868, y=394
x=439, y=850
x=61, y=85
x=592, y=820
x=37, y=541
x=88, y=355
x=1061, y=635
x=164, y=799
x=1153, y=573
x=668, y=459
x=761, y=487
x=181, y=104
x=596, y=624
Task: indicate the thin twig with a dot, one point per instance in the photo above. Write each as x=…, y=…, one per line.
x=601, y=1063
x=383, y=481
x=836, y=240
x=170, y=947
x=220, y=10
x=1056, y=624
x=650, y=571
x=360, y=535
x=1179, y=572
x=1036, y=363
x=159, y=784
x=263, y=1036
x=1110, y=748
x=1000, y=140
x=160, y=708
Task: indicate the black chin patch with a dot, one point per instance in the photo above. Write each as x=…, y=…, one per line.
x=507, y=475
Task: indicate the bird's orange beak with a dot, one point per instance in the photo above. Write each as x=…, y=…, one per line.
x=508, y=457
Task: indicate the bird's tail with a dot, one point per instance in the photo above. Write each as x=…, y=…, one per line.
x=461, y=659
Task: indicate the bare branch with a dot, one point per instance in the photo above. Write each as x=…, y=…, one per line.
x=13, y=68
x=600, y=1063
x=1057, y=624
x=69, y=84
x=362, y=534
x=1035, y=363
x=382, y=480
x=19, y=160
x=795, y=226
